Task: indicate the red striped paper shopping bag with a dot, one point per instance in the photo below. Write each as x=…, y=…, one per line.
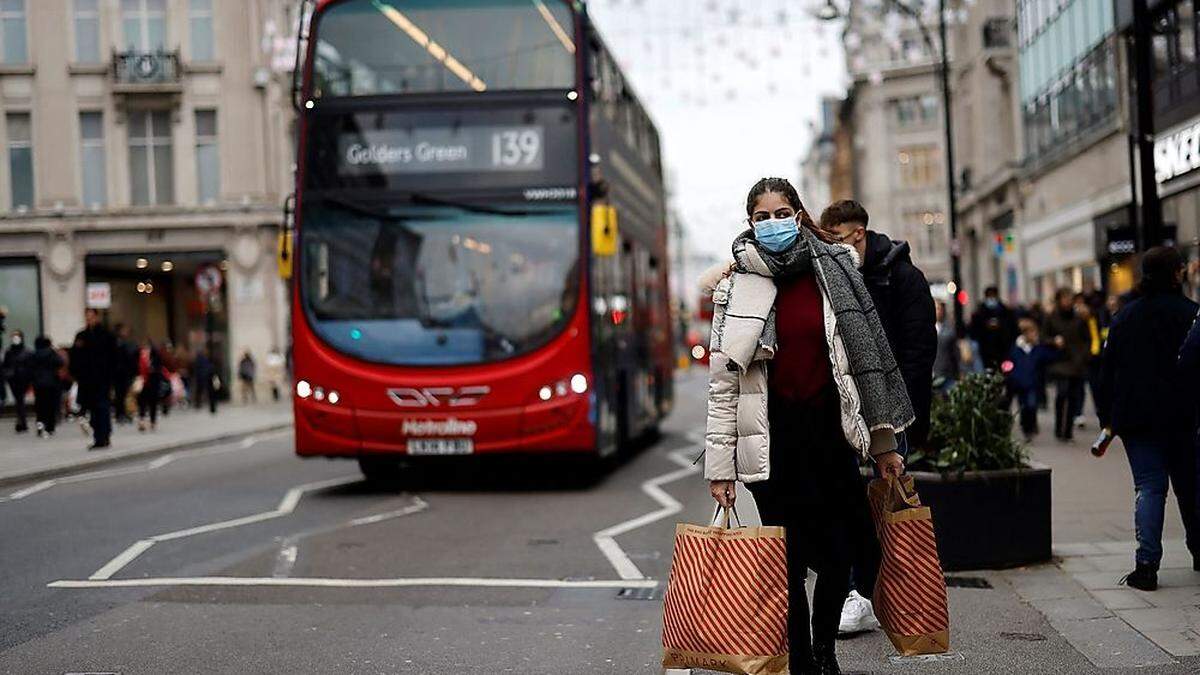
x=910, y=594
x=726, y=602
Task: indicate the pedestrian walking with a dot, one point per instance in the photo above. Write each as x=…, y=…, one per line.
x=1189, y=372
x=205, y=374
x=1069, y=334
x=45, y=365
x=274, y=368
x=1086, y=311
x=170, y=365
x=900, y=294
x=247, y=371
x=124, y=372
x=15, y=368
x=994, y=327
x=150, y=370
x=1025, y=366
x=947, y=359
x=1148, y=408
x=795, y=333
x=92, y=365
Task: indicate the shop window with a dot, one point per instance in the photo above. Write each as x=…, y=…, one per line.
x=87, y=31
x=92, y=159
x=200, y=30
x=20, y=295
x=208, y=163
x=151, y=157
x=996, y=32
x=144, y=24
x=13, y=41
x=20, y=160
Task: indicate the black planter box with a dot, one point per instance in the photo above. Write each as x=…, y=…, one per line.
x=989, y=519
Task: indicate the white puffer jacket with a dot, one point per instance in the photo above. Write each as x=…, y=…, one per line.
x=737, y=436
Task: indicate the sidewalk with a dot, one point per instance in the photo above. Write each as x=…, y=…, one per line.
x=27, y=457
x=1112, y=625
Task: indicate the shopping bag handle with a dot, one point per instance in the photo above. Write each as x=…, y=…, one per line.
x=903, y=488
x=725, y=523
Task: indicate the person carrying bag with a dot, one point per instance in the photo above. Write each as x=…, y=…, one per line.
x=726, y=602
x=802, y=383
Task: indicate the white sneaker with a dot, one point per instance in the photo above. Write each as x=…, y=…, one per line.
x=857, y=615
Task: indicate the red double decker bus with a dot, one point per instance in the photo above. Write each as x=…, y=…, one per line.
x=480, y=257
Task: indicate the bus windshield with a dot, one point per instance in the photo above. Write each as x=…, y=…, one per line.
x=438, y=283
x=367, y=47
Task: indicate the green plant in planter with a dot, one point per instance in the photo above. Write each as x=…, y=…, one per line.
x=971, y=429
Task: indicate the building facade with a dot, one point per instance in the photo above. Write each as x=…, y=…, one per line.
x=149, y=151
x=984, y=83
x=1076, y=211
x=1175, y=45
x=895, y=122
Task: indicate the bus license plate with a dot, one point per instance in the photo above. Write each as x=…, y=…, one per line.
x=440, y=446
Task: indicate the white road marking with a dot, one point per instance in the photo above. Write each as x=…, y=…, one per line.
x=417, y=506
x=481, y=582
x=124, y=558
x=158, y=463
x=605, y=539
x=286, y=506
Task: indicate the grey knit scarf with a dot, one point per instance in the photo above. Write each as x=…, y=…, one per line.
x=885, y=401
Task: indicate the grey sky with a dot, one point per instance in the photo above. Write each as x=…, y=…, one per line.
x=733, y=86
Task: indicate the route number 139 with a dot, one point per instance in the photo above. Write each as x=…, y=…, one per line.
x=516, y=147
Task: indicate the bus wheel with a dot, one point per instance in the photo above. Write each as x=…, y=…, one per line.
x=378, y=470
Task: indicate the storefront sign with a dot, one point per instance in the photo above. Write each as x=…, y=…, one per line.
x=99, y=295
x=1177, y=152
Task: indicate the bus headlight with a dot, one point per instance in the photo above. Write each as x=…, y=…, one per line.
x=303, y=389
x=333, y=397
x=698, y=352
x=544, y=393
x=579, y=383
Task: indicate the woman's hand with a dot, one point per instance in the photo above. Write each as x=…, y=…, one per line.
x=723, y=491
x=890, y=464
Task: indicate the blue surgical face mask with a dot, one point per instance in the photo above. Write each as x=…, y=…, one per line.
x=777, y=234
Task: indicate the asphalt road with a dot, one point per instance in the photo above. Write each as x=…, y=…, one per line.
x=251, y=560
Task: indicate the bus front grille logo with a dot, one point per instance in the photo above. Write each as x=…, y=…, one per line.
x=425, y=397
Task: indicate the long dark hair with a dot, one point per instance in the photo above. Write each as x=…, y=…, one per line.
x=784, y=187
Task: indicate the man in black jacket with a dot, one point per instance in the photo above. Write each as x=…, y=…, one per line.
x=1144, y=390
x=905, y=305
x=92, y=362
x=15, y=369
x=902, y=298
x=994, y=327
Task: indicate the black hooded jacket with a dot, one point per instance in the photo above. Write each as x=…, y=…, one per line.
x=905, y=306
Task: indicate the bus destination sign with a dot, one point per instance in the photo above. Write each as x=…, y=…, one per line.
x=419, y=150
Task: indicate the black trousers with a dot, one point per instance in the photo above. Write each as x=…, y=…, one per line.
x=147, y=399
x=1068, y=398
x=46, y=401
x=816, y=493
x=18, y=390
x=120, y=393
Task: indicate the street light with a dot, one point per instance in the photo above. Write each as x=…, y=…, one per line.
x=830, y=12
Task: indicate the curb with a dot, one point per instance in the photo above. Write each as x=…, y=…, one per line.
x=104, y=460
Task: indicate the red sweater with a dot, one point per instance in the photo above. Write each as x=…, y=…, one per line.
x=800, y=369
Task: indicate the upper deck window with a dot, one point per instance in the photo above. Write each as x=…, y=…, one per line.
x=367, y=47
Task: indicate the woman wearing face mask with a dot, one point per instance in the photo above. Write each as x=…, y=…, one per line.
x=801, y=383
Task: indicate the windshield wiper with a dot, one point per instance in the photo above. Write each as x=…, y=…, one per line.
x=421, y=198
x=364, y=210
